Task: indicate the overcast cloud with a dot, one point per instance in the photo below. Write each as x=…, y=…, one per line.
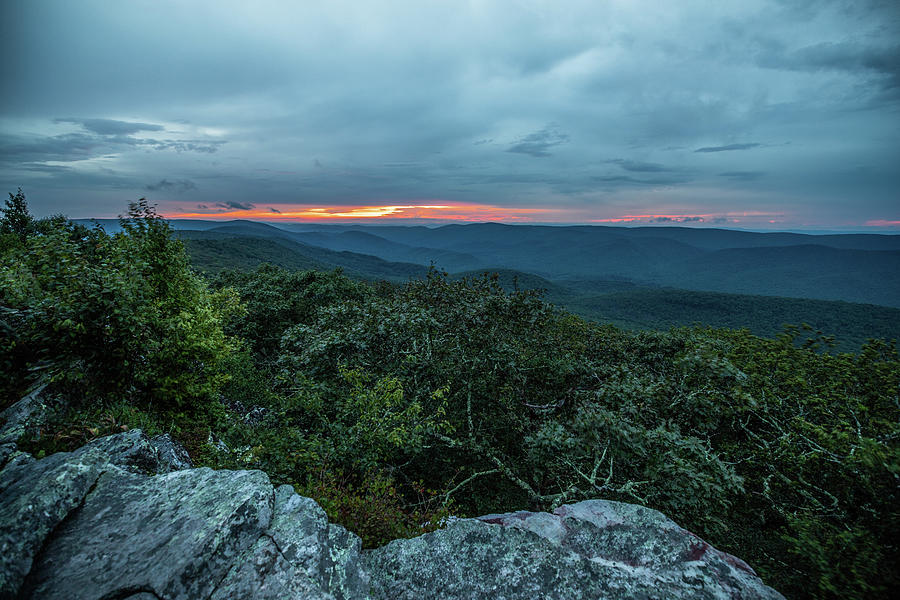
x=758, y=113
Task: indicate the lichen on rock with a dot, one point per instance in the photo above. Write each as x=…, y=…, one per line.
x=125, y=517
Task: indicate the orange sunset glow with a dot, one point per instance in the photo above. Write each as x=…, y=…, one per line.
x=445, y=212
x=441, y=211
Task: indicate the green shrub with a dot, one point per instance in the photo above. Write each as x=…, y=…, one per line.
x=106, y=317
x=371, y=505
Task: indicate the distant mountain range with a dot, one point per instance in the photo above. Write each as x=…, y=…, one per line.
x=853, y=268
x=643, y=277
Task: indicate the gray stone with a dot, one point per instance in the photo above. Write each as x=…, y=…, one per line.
x=172, y=455
x=96, y=524
x=301, y=555
x=14, y=419
x=175, y=534
x=93, y=524
x=131, y=450
x=593, y=549
x=37, y=496
x=6, y=452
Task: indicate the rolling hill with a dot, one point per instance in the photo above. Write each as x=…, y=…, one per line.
x=638, y=278
x=629, y=306
x=212, y=251
x=853, y=268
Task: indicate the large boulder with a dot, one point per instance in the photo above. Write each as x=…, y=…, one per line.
x=593, y=549
x=96, y=523
x=122, y=518
x=14, y=419
x=36, y=496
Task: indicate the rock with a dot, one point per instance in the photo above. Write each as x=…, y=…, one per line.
x=300, y=556
x=6, y=452
x=130, y=450
x=35, y=497
x=94, y=524
x=97, y=523
x=14, y=419
x=176, y=535
x=593, y=549
x=172, y=455
x=135, y=452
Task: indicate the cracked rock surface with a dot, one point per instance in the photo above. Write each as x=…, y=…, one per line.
x=592, y=549
x=125, y=517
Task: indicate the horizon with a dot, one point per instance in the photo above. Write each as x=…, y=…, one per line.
x=433, y=224
x=763, y=115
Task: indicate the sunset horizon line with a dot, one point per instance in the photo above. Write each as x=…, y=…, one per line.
x=442, y=213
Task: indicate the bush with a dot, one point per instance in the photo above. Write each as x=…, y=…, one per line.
x=109, y=317
x=371, y=506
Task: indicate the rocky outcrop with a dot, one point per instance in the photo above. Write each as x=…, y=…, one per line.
x=121, y=518
x=593, y=549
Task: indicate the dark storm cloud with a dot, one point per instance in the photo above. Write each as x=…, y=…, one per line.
x=111, y=126
x=235, y=205
x=852, y=57
x=628, y=179
x=727, y=148
x=64, y=148
x=539, y=143
x=177, y=186
x=45, y=168
x=389, y=102
x=70, y=147
x=615, y=178
x=204, y=147
x=692, y=219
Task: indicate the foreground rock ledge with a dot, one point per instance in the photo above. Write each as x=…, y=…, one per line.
x=113, y=520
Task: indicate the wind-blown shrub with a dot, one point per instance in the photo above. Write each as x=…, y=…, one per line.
x=105, y=317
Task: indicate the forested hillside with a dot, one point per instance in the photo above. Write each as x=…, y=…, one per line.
x=624, y=304
x=781, y=266
x=854, y=268
x=396, y=405
x=213, y=251
x=858, y=268
x=618, y=301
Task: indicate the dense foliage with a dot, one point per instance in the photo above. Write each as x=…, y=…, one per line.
x=618, y=301
x=662, y=308
x=110, y=317
x=395, y=405
x=214, y=250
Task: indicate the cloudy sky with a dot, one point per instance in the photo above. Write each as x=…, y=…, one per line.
x=749, y=113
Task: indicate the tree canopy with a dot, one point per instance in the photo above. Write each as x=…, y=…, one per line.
x=396, y=405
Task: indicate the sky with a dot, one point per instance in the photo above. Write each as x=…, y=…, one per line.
x=759, y=114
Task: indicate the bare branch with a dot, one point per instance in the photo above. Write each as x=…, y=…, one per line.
x=465, y=481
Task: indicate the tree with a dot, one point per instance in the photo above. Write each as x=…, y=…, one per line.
x=104, y=317
x=16, y=218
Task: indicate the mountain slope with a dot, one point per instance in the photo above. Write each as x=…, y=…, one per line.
x=369, y=243
x=214, y=250
x=853, y=268
x=806, y=271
